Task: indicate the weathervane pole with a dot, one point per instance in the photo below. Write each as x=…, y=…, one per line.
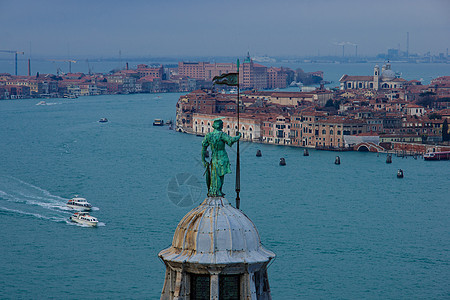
x=238, y=166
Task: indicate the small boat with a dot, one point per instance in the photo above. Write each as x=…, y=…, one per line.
x=84, y=218
x=337, y=161
x=41, y=103
x=282, y=161
x=305, y=152
x=169, y=122
x=443, y=155
x=258, y=153
x=79, y=203
x=158, y=122
x=400, y=173
x=103, y=120
x=389, y=159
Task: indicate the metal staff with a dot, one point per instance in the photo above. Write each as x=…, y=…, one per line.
x=238, y=166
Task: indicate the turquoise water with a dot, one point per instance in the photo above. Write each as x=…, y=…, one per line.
x=348, y=231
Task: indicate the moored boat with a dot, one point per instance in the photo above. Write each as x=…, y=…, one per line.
x=443, y=155
x=79, y=203
x=158, y=122
x=84, y=218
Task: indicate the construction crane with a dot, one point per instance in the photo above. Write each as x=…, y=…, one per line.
x=15, y=55
x=70, y=61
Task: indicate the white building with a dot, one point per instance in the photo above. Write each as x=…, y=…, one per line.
x=386, y=79
x=249, y=128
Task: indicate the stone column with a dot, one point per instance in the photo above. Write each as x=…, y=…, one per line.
x=214, y=287
x=178, y=295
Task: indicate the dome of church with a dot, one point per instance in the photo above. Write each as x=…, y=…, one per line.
x=388, y=74
x=216, y=233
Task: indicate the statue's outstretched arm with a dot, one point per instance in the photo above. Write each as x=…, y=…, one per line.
x=231, y=140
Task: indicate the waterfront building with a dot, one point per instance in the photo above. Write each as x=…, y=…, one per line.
x=384, y=79
x=250, y=127
x=405, y=138
x=201, y=101
x=276, y=78
x=317, y=130
x=150, y=72
x=277, y=131
x=252, y=75
x=205, y=70
x=317, y=97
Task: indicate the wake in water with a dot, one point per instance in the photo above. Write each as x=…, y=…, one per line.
x=22, y=198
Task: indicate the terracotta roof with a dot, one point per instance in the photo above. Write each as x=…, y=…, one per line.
x=356, y=78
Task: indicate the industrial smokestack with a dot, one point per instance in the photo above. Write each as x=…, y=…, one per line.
x=29, y=67
x=126, y=66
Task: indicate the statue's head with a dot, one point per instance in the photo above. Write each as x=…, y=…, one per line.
x=218, y=124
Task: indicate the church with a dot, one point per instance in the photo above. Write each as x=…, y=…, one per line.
x=386, y=79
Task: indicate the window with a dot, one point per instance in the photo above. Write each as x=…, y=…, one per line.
x=229, y=287
x=200, y=287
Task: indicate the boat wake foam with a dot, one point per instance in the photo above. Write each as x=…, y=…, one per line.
x=22, y=198
x=36, y=215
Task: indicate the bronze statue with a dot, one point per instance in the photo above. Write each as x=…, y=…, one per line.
x=220, y=163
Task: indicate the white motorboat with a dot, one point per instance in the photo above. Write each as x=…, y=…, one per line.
x=79, y=203
x=41, y=103
x=84, y=218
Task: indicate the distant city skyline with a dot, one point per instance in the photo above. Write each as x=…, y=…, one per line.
x=203, y=28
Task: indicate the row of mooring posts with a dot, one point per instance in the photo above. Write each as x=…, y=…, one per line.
x=337, y=160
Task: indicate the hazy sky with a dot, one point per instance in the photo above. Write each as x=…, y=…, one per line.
x=222, y=28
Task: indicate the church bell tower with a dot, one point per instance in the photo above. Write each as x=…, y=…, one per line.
x=376, y=77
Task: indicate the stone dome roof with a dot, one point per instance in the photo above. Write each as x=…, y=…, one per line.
x=388, y=75
x=216, y=233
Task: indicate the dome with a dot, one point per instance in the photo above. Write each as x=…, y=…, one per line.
x=216, y=233
x=387, y=75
